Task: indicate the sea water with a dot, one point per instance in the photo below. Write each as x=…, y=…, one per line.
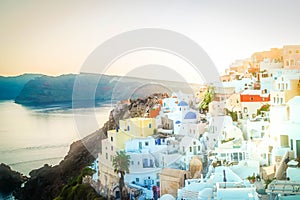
x=33, y=136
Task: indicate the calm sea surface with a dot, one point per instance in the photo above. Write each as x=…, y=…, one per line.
x=31, y=137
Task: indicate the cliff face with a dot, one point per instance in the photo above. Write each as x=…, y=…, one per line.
x=47, y=182
x=9, y=179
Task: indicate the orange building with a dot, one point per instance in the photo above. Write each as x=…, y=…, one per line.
x=275, y=55
x=291, y=56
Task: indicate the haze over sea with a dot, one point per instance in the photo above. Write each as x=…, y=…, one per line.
x=34, y=136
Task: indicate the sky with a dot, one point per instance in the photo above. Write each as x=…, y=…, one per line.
x=56, y=37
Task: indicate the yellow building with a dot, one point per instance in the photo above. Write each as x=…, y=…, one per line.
x=132, y=128
x=284, y=90
x=115, y=141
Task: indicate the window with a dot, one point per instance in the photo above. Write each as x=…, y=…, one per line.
x=106, y=156
x=251, y=98
x=146, y=143
x=290, y=52
x=194, y=143
x=190, y=149
x=137, y=180
x=132, y=162
x=199, y=148
x=263, y=128
x=151, y=163
x=150, y=125
x=145, y=162
x=112, y=148
x=297, y=51
x=111, y=139
x=111, y=158
x=138, y=162
x=128, y=128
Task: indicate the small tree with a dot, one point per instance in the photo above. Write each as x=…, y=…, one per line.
x=265, y=107
x=209, y=96
x=121, y=164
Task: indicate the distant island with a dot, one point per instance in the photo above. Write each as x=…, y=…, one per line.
x=11, y=87
x=37, y=89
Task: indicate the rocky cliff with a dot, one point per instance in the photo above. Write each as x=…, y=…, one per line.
x=9, y=179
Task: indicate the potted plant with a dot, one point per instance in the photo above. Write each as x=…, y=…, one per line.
x=251, y=179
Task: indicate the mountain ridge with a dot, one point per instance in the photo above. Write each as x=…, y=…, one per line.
x=86, y=87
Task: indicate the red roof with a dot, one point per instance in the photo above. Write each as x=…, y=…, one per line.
x=254, y=98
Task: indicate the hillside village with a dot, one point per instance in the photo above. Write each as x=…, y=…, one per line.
x=235, y=140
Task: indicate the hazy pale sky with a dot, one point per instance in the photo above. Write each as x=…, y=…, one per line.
x=55, y=37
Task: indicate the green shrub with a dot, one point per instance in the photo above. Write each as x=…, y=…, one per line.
x=75, y=190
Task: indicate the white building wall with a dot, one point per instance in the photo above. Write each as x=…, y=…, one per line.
x=268, y=65
x=217, y=108
x=169, y=103
x=256, y=129
x=143, y=179
x=239, y=85
x=250, y=108
x=277, y=98
x=278, y=114
x=293, y=173
x=294, y=109
x=147, y=144
x=141, y=162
